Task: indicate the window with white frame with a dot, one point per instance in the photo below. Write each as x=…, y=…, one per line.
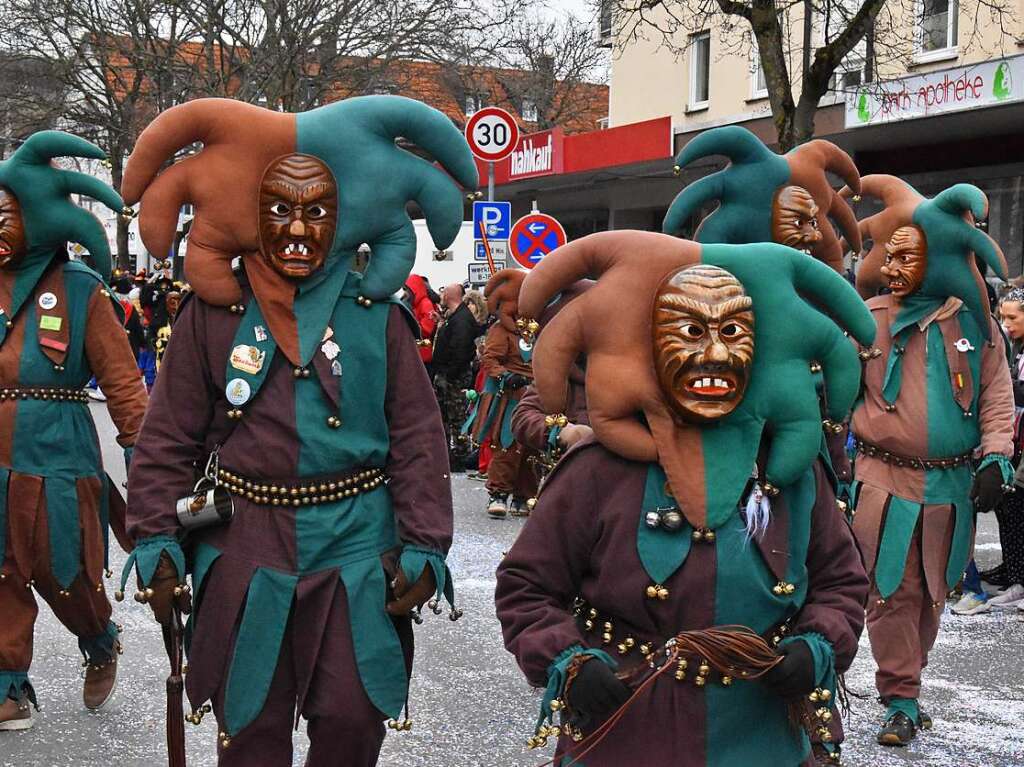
x=700, y=69
x=475, y=102
x=758, y=85
x=937, y=25
x=836, y=17
x=529, y=111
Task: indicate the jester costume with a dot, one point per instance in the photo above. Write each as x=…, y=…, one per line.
x=701, y=510
x=302, y=381
x=59, y=327
x=506, y=362
x=937, y=396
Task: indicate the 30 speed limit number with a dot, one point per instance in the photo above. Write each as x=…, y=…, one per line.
x=492, y=134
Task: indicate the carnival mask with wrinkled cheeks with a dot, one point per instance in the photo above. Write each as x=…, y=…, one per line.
x=795, y=219
x=298, y=215
x=703, y=342
x=12, y=230
x=906, y=261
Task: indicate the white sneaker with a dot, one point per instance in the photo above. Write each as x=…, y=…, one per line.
x=971, y=604
x=1009, y=599
x=992, y=589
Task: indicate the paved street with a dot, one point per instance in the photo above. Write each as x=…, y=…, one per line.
x=471, y=706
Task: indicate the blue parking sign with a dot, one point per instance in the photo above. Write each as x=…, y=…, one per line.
x=496, y=218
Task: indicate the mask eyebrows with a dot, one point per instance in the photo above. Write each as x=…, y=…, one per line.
x=316, y=191
x=676, y=303
x=283, y=189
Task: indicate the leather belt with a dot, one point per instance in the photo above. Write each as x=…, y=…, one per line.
x=301, y=492
x=887, y=456
x=44, y=393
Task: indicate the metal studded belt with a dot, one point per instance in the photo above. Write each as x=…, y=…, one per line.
x=887, y=456
x=301, y=492
x=45, y=393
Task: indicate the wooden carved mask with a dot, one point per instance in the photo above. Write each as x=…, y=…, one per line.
x=906, y=260
x=795, y=219
x=12, y=230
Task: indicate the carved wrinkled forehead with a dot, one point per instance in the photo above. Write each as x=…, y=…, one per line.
x=796, y=198
x=703, y=286
x=908, y=238
x=298, y=170
x=7, y=199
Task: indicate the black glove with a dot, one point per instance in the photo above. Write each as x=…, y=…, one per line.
x=440, y=382
x=793, y=677
x=987, y=490
x=516, y=381
x=595, y=694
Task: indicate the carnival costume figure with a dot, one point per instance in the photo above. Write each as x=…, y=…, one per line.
x=59, y=327
x=714, y=582
x=936, y=397
x=298, y=385
x=506, y=365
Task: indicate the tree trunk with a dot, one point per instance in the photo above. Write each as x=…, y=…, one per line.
x=116, y=175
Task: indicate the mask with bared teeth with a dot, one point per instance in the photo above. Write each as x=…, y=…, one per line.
x=298, y=215
x=12, y=230
x=795, y=219
x=703, y=342
x=906, y=260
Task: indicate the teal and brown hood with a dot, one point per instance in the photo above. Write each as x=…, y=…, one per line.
x=948, y=223
x=357, y=139
x=708, y=465
x=746, y=190
x=50, y=218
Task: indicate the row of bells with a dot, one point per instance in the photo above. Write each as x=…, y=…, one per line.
x=62, y=592
x=57, y=395
x=278, y=495
x=885, y=456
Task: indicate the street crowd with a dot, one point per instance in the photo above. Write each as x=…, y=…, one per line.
x=731, y=459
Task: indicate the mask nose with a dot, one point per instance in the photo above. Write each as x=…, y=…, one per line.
x=717, y=352
x=297, y=228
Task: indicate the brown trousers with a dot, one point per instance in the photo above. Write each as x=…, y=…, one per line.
x=903, y=628
x=85, y=611
x=510, y=472
x=344, y=727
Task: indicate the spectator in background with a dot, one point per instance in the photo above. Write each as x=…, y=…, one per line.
x=474, y=299
x=416, y=295
x=454, y=349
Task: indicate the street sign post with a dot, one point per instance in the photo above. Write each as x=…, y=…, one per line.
x=533, y=237
x=492, y=134
x=496, y=218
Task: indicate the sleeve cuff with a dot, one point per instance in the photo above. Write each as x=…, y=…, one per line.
x=1005, y=466
x=146, y=555
x=413, y=561
x=556, y=679
x=825, y=677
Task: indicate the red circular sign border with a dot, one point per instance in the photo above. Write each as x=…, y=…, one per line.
x=514, y=253
x=479, y=115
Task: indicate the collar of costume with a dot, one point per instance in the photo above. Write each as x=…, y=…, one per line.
x=745, y=190
x=953, y=241
x=355, y=138
x=50, y=218
x=707, y=466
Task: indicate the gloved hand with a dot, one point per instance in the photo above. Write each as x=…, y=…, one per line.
x=795, y=675
x=440, y=382
x=595, y=693
x=987, y=490
x=573, y=433
x=408, y=596
x=516, y=381
x=161, y=595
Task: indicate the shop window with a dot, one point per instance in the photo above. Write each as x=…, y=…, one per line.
x=937, y=27
x=700, y=70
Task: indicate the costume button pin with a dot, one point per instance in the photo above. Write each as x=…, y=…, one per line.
x=47, y=301
x=238, y=391
x=963, y=345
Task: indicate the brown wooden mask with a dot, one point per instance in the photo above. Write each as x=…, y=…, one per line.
x=12, y=230
x=795, y=219
x=298, y=215
x=906, y=260
x=703, y=342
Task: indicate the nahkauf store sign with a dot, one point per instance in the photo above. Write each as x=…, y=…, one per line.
x=537, y=154
x=990, y=83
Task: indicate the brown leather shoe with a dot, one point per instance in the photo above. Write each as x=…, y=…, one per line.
x=100, y=683
x=15, y=715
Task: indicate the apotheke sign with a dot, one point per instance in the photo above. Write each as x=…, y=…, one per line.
x=537, y=154
x=987, y=84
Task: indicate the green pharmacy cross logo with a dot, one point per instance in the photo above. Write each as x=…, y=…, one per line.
x=1002, y=84
x=863, y=111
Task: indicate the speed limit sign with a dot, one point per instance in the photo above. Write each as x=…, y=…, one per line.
x=492, y=134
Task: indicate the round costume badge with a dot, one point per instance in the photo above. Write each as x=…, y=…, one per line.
x=47, y=301
x=238, y=391
x=525, y=346
x=963, y=345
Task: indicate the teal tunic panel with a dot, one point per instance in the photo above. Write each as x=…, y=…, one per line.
x=900, y=522
x=64, y=527
x=743, y=595
x=661, y=551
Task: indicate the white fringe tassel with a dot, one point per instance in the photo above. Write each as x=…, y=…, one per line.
x=758, y=512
